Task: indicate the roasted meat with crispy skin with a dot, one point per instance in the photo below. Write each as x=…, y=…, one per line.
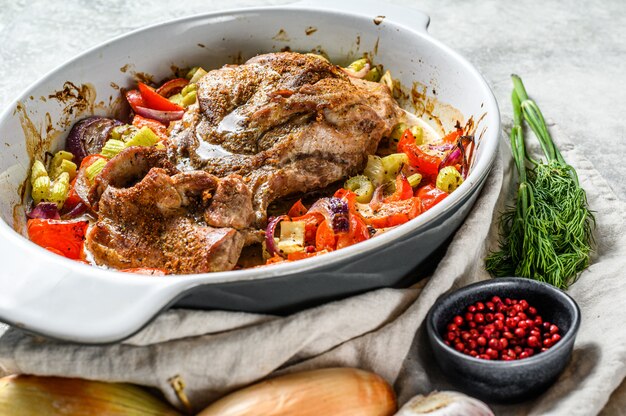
x=286, y=122
x=152, y=215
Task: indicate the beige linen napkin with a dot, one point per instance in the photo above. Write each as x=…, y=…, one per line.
x=215, y=352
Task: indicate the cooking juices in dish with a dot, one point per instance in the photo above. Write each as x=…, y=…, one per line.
x=209, y=166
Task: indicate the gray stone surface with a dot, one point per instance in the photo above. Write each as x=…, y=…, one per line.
x=570, y=55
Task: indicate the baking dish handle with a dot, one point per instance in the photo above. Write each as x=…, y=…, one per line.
x=49, y=295
x=379, y=11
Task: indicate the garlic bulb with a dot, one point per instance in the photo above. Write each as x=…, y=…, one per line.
x=444, y=403
x=331, y=391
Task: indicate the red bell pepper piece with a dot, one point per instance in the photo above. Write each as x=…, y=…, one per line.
x=171, y=87
x=275, y=259
x=325, y=238
x=453, y=136
x=134, y=99
x=72, y=198
x=403, y=190
x=297, y=210
x=156, y=126
x=66, y=237
x=430, y=196
x=348, y=196
x=425, y=163
x=155, y=101
x=395, y=213
x=299, y=255
x=357, y=232
x=311, y=222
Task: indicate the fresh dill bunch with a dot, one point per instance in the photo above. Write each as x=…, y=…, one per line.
x=548, y=234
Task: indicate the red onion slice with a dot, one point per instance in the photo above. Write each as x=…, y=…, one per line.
x=269, y=234
x=441, y=147
x=162, y=116
x=451, y=158
x=335, y=210
x=88, y=135
x=377, y=198
x=79, y=209
x=45, y=210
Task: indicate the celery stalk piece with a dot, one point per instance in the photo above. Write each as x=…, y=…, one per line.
x=59, y=189
x=414, y=180
x=362, y=187
x=448, y=179
x=94, y=169
x=112, y=147
x=144, y=137
x=392, y=164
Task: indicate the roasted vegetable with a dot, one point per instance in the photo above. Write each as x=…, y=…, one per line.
x=59, y=189
x=414, y=180
x=374, y=170
x=362, y=187
x=156, y=126
x=149, y=104
x=195, y=74
x=44, y=189
x=62, y=162
x=332, y=391
x=45, y=210
x=30, y=395
x=291, y=236
x=40, y=182
x=430, y=196
x=403, y=190
x=95, y=168
x=88, y=136
x=448, y=179
x=374, y=74
x=144, y=137
x=155, y=101
x=112, y=147
x=66, y=237
x=398, y=132
x=425, y=163
x=392, y=165
x=358, y=69
x=171, y=87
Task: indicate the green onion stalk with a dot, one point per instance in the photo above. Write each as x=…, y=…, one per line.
x=548, y=234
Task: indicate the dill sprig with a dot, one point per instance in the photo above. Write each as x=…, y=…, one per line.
x=548, y=234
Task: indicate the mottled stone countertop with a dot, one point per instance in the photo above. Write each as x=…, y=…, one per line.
x=570, y=54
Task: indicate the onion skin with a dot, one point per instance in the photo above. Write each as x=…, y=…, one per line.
x=335, y=210
x=377, y=199
x=451, y=158
x=88, y=136
x=331, y=391
x=31, y=395
x=159, y=115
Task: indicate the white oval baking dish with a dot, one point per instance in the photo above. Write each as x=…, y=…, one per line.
x=56, y=297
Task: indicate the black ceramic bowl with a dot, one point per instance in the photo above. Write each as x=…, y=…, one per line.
x=505, y=381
